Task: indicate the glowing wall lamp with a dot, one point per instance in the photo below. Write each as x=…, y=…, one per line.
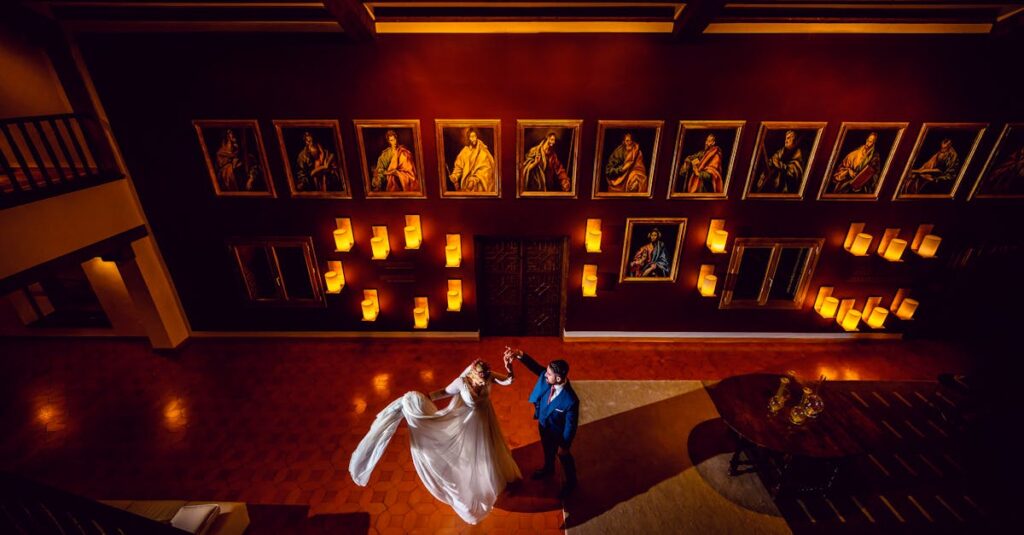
x=453, y=251
x=454, y=295
x=851, y=320
x=590, y=280
x=929, y=246
x=380, y=245
x=343, y=239
x=413, y=232
x=829, y=306
x=420, y=313
x=823, y=292
x=593, y=239
x=334, y=277
x=717, y=236
x=877, y=318
x=857, y=241
x=894, y=252
x=370, y=305
x=707, y=280
x=907, y=309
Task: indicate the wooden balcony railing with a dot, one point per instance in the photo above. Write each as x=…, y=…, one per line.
x=48, y=155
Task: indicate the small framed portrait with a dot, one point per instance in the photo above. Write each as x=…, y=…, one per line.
x=468, y=157
x=939, y=159
x=703, y=159
x=1003, y=175
x=625, y=158
x=234, y=154
x=313, y=158
x=651, y=249
x=546, y=155
x=391, y=157
x=783, y=155
x=860, y=160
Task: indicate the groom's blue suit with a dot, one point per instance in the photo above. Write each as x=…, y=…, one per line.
x=557, y=419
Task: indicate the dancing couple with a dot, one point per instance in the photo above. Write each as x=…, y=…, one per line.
x=459, y=451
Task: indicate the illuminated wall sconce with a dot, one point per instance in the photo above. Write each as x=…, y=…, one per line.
x=857, y=241
x=907, y=309
x=343, y=239
x=413, y=232
x=593, y=239
x=717, y=236
x=334, y=277
x=823, y=292
x=886, y=240
x=929, y=246
x=420, y=313
x=829, y=306
x=851, y=320
x=707, y=280
x=370, y=305
x=894, y=252
x=380, y=245
x=845, y=306
x=453, y=251
x=877, y=318
x=454, y=295
x=590, y=280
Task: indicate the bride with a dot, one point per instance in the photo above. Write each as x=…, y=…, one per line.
x=459, y=451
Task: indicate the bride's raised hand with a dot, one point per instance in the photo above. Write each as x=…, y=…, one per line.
x=508, y=360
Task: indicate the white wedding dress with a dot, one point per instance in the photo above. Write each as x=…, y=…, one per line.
x=459, y=451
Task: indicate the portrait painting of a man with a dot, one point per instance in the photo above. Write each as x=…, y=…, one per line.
x=651, y=249
x=1003, y=175
x=546, y=153
x=703, y=159
x=625, y=158
x=939, y=160
x=861, y=160
x=783, y=155
x=467, y=156
x=233, y=151
x=313, y=158
x=391, y=155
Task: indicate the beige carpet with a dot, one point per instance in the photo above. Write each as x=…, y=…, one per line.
x=652, y=458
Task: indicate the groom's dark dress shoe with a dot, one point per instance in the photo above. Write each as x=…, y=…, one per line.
x=542, y=473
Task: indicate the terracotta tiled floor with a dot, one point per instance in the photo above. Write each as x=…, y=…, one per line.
x=274, y=421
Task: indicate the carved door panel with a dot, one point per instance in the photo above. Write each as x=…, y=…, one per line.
x=521, y=285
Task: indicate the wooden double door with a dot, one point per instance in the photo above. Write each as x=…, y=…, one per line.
x=521, y=283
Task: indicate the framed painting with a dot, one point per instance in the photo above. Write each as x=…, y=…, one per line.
x=703, y=159
x=313, y=158
x=546, y=155
x=651, y=249
x=783, y=155
x=939, y=160
x=860, y=160
x=235, y=158
x=625, y=157
x=1003, y=174
x=391, y=158
x=468, y=159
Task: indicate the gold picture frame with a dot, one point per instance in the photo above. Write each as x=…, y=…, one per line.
x=998, y=159
x=284, y=142
x=538, y=133
x=407, y=130
x=760, y=157
x=923, y=139
x=641, y=135
x=222, y=183
x=493, y=144
x=839, y=153
x=678, y=157
x=641, y=227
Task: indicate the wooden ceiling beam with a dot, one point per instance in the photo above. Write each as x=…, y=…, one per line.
x=695, y=18
x=353, y=18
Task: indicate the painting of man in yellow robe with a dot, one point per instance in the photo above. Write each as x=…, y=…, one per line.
x=467, y=158
x=626, y=155
x=861, y=160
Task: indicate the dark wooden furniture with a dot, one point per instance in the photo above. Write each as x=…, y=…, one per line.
x=789, y=457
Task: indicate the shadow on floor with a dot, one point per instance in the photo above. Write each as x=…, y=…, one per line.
x=294, y=520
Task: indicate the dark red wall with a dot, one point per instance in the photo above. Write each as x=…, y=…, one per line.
x=153, y=86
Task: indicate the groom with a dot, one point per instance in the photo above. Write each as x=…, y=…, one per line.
x=556, y=409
